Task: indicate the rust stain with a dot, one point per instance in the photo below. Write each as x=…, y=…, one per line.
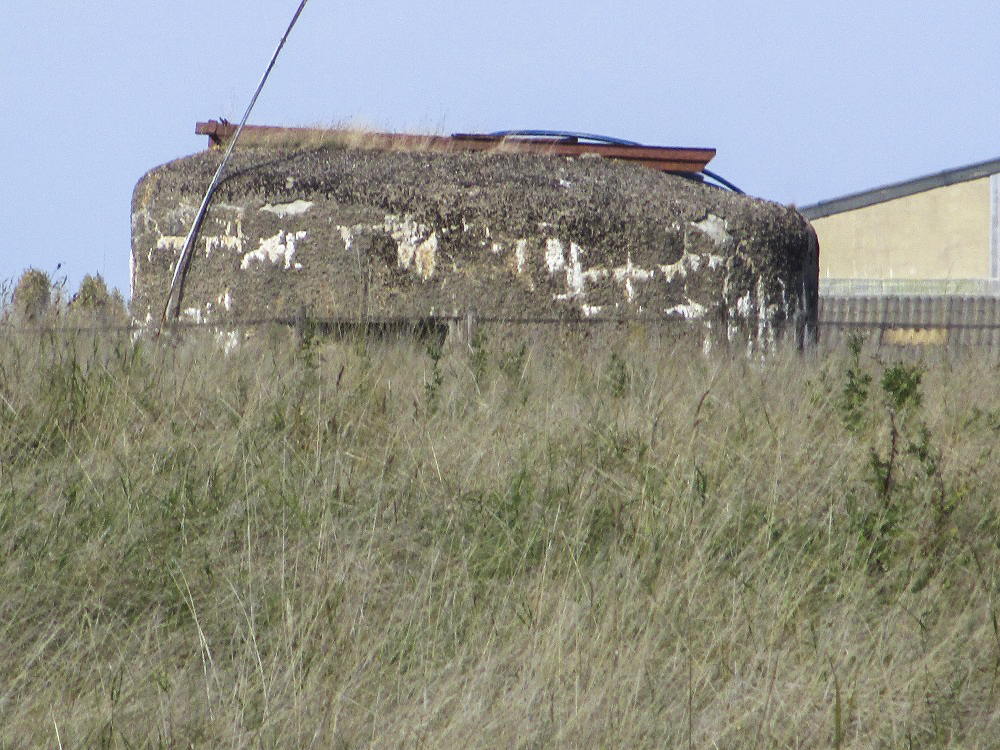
x=660, y=158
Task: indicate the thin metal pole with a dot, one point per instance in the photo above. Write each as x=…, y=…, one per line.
x=182, y=262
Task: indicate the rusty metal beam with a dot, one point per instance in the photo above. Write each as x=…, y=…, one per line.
x=664, y=159
x=661, y=158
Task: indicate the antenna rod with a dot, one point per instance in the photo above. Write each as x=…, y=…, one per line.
x=171, y=309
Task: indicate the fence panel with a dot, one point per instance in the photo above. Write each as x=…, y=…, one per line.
x=954, y=323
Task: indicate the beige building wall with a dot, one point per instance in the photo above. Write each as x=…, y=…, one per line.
x=942, y=233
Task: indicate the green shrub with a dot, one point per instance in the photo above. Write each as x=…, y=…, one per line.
x=94, y=302
x=33, y=295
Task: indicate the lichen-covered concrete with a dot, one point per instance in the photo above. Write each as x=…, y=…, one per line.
x=372, y=235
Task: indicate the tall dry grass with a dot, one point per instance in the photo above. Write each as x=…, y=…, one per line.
x=363, y=543
x=343, y=135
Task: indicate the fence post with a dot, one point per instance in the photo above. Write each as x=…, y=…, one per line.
x=470, y=327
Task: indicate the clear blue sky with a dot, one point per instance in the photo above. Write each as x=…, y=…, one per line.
x=804, y=100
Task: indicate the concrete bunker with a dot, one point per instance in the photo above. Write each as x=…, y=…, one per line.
x=368, y=235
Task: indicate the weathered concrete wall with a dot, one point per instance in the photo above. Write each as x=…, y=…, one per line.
x=363, y=234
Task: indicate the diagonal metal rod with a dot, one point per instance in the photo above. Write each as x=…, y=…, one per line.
x=172, y=307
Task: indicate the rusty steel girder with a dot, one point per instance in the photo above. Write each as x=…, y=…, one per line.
x=661, y=158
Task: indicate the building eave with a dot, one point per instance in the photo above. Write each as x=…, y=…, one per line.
x=900, y=189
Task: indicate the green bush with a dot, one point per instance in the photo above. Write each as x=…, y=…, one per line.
x=94, y=301
x=33, y=295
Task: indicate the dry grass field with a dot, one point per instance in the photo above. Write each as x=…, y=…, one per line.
x=352, y=543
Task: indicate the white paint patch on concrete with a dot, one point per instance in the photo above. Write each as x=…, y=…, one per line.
x=229, y=241
x=596, y=274
x=766, y=311
x=347, y=234
x=715, y=227
x=521, y=254
x=425, y=257
x=405, y=229
x=555, y=257
x=629, y=274
x=238, y=210
x=416, y=245
x=171, y=242
x=409, y=236
x=574, y=273
x=295, y=208
x=631, y=271
x=691, y=311
x=744, y=305
x=280, y=247
x=689, y=262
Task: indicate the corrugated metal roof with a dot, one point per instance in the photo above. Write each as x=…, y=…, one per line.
x=900, y=189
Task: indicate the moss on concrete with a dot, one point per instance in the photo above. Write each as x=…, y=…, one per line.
x=367, y=234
